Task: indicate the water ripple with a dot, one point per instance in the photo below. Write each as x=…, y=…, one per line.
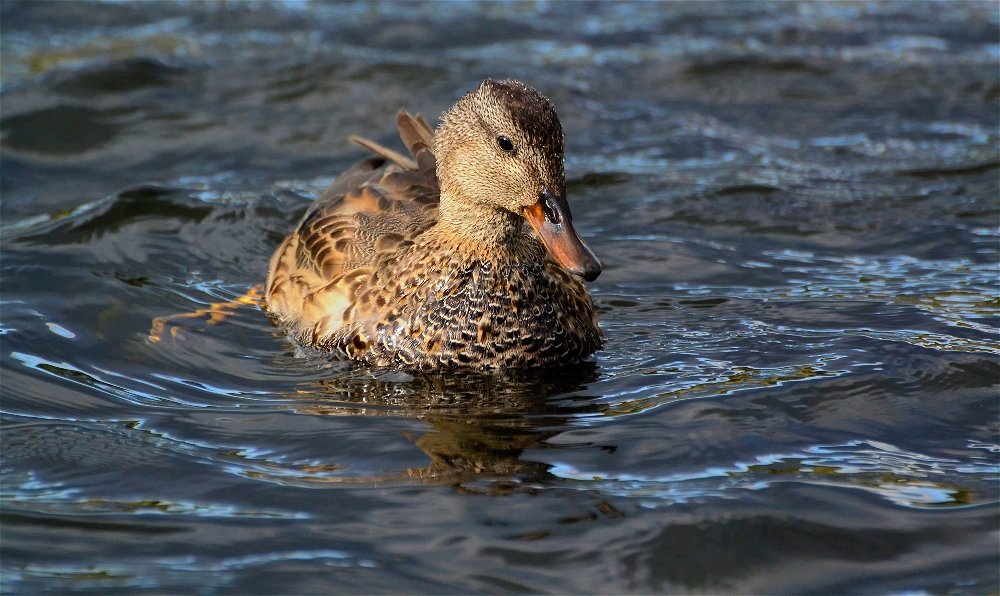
x=904, y=478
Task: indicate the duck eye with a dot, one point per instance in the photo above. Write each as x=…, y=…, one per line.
x=505, y=143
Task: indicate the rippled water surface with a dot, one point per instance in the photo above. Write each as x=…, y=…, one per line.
x=797, y=210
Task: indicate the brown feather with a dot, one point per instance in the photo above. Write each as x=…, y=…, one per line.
x=394, y=156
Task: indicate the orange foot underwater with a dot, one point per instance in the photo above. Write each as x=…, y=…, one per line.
x=216, y=313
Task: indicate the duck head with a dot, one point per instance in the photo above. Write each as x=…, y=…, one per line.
x=500, y=147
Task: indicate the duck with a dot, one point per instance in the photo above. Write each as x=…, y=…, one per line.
x=461, y=254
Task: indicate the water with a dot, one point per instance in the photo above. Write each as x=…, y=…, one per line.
x=796, y=208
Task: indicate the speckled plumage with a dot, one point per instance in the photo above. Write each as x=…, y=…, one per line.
x=429, y=262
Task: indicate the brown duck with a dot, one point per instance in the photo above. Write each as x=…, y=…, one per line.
x=427, y=261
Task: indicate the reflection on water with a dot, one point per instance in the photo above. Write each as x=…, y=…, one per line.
x=479, y=424
x=795, y=205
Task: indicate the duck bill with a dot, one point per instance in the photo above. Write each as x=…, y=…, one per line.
x=551, y=218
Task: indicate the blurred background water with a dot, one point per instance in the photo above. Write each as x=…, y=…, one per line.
x=796, y=205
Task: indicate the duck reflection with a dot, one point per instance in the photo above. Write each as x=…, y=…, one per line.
x=481, y=423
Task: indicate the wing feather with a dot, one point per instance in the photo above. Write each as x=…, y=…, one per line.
x=376, y=206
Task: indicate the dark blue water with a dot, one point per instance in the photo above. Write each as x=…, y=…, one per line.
x=797, y=210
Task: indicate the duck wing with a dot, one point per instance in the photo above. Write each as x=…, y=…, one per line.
x=418, y=137
x=375, y=206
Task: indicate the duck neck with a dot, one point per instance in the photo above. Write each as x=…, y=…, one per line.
x=482, y=230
